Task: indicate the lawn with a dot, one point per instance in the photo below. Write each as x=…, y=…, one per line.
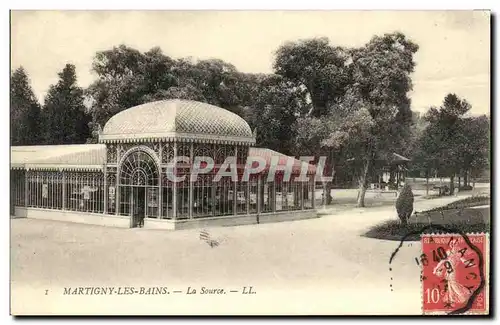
x=473, y=201
x=468, y=215
x=393, y=230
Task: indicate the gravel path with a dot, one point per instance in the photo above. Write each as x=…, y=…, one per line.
x=318, y=266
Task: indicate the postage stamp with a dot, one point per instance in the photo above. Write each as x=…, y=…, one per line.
x=454, y=274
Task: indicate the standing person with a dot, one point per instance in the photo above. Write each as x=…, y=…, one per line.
x=140, y=216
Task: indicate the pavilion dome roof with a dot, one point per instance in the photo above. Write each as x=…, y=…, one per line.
x=177, y=119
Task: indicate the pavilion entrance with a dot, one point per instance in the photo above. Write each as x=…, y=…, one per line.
x=139, y=188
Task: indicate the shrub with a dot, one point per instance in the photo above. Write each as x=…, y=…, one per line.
x=404, y=204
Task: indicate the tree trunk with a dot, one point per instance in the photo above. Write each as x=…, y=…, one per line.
x=426, y=184
x=452, y=184
x=459, y=179
x=361, y=196
x=327, y=188
x=466, y=177
x=328, y=192
x=362, y=185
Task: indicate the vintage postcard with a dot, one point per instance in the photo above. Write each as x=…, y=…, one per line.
x=250, y=163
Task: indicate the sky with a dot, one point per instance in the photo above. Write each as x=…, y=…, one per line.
x=454, y=53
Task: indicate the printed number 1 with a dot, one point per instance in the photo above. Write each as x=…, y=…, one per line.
x=432, y=295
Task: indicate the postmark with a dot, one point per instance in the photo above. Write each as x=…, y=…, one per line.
x=454, y=274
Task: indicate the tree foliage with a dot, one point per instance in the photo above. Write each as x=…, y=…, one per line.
x=318, y=66
x=454, y=142
x=350, y=104
x=25, y=113
x=275, y=109
x=372, y=117
x=65, y=117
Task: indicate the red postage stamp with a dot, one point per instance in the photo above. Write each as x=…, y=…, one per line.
x=454, y=274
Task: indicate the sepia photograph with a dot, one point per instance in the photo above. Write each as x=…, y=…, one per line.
x=229, y=163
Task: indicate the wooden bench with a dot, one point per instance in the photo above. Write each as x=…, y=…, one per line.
x=442, y=189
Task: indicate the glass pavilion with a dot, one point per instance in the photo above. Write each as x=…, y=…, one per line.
x=127, y=173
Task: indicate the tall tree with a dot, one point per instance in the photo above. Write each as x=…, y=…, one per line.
x=420, y=163
x=24, y=111
x=376, y=107
x=324, y=72
x=442, y=141
x=66, y=120
x=474, y=149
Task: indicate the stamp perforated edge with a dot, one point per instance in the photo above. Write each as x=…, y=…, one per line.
x=486, y=273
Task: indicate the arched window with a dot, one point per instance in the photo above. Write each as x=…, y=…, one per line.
x=139, y=169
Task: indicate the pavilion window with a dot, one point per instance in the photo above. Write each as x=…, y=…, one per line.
x=242, y=197
x=31, y=195
x=152, y=202
x=253, y=188
x=182, y=190
x=224, y=197
x=31, y=189
x=281, y=195
x=111, y=194
x=13, y=187
x=36, y=190
x=183, y=150
x=44, y=190
x=308, y=193
x=167, y=200
x=19, y=186
x=40, y=190
x=267, y=195
x=49, y=183
x=56, y=190
x=125, y=197
x=204, y=187
x=202, y=196
x=223, y=190
x=288, y=198
x=84, y=192
x=72, y=190
x=52, y=186
x=95, y=193
x=297, y=200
